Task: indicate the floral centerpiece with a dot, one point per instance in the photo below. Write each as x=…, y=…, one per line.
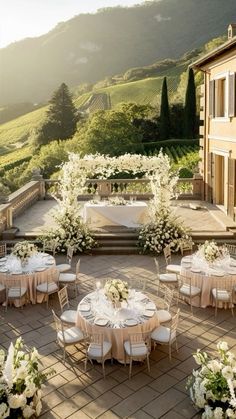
x=213, y=386
x=20, y=382
x=117, y=201
x=24, y=250
x=211, y=252
x=116, y=290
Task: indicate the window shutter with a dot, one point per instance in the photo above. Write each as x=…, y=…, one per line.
x=231, y=187
x=212, y=99
x=209, y=177
x=232, y=94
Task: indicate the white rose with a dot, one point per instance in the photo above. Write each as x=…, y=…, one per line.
x=218, y=413
x=227, y=373
x=28, y=411
x=30, y=389
x=16, y=400
x=4, y=411
x=214, y=365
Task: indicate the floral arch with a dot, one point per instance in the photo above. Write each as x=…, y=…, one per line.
x=157, y=169
x=162, y=229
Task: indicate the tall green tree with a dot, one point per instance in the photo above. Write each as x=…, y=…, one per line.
x=190, y=107
x=109, y=132
x=60, y=121
x=164, y=113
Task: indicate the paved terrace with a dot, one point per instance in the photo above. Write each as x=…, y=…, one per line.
x=70, y=393
x=207, y=218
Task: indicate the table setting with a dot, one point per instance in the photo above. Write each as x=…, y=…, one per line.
x=206, y=267
x=27, y=264
x=116, y=317
x=116, y=211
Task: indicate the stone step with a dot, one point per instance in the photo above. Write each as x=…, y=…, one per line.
x=118, y=243
x=116, y=250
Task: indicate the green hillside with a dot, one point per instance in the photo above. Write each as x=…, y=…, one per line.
x=15, y=133
x=90, y=47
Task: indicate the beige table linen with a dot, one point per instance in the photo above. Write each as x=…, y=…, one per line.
x=30, y=281
x=206, y=283
x=116, y=336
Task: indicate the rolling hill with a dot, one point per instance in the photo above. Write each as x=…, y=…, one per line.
x=90, y=47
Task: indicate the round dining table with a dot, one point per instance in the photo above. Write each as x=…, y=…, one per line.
x=206, y=277
x=96, y=314
x=35, y=271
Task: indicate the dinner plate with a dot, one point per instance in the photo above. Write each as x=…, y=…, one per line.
x=101, y=322
x=216, y=273
x=131, y=322
x=232, y=262
x=187, y=258
x=87, y=313
x=139, y=296
x=84, y=307
x=49, y=262
x=232, y=271
x=3, y=270
x=16, y=273
x=40, y=269
x=150, y=306
x=196, y=270
x=148, y=313
x=3, y=259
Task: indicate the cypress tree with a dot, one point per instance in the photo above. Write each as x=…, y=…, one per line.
x=62, y=113
x=190, y=107
x=164, y=113
x=60, y=121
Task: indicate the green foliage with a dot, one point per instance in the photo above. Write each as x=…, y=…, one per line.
x=60, y=120
x=165, y=113
x=190, y=107
x=109, y=132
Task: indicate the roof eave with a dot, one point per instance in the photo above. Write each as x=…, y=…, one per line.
x=214, y=54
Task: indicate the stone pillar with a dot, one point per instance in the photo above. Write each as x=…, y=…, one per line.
x=198, y=187
x=36, y=175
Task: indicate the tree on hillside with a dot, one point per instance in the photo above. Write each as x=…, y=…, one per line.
x=190, y=107
x=164, y=113
x=61, y=118
x=109, y=132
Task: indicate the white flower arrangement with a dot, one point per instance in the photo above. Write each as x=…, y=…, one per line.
x=117, y=201
x=116, y=290
x=71, y=231
x=24, y=250
x=213, y=386
x=211, y=252
x=165, y=230
x=20, y=382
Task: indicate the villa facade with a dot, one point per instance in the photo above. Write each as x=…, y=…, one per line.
x=218, y=132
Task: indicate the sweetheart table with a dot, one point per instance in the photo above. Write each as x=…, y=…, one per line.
x=103, y=213
x=95, y=314
x=36, y=271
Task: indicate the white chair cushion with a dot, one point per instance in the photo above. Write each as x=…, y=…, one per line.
x=185, y=290
x=162, y=334
x=168, y=278
x=95, y=350
x=63, y=267
x=71, y=335
x=163, y=316
x=138, y=349
x=2, y=287
x=67, y=277
x=16, y=292
x=222, y=295
x=174, y=268
x=69, y=316
x=52, y=286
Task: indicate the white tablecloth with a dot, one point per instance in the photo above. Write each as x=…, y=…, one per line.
x=207, y=279
x=130, y=215
x=116, y=330
x=33, y=273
